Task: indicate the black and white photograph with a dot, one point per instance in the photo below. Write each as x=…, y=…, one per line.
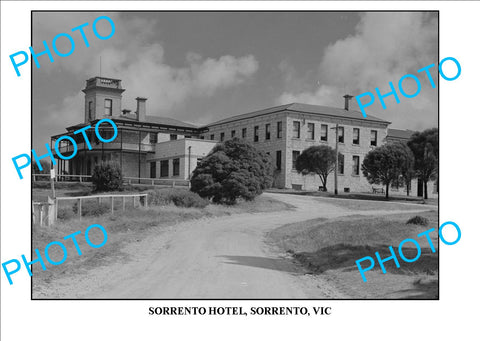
x=240, y=165
x=238, y=170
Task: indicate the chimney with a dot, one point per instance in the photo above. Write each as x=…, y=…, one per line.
x=141, y=108
x=347, y=100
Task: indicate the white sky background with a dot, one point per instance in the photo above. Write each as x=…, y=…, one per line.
x=201, y=67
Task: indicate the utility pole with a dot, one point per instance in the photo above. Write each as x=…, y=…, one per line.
x=336, y=159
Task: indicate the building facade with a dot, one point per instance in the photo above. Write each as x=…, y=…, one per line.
x=159, y=147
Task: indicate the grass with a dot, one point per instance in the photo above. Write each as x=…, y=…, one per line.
x=331, y=247
x=359, y=196
x=369, y=205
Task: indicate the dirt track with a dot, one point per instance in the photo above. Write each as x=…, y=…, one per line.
x=222, y=257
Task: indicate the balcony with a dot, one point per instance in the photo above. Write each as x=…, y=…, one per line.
x=104, y=83
x=131, y=147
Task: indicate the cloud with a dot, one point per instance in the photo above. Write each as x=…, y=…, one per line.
x=136, y=55
x=385, y=47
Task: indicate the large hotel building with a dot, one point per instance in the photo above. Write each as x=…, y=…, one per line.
x=158, y=147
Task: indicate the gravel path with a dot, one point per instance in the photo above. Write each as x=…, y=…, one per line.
x=223, y=257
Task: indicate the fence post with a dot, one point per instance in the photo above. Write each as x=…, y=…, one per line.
x=111, y=199
x=123, y=202
x=41, y=215
x=80, y=178
x=80, y=209
x=146, y=202
x=56, y=209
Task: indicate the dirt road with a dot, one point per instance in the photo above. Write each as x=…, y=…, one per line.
x=223, y=257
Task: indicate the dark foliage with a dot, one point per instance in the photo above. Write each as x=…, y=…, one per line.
x=418, y=220
x=425, y=148
x=317, y=159
x=91, y=208
x=176, y=196
x=233, y=169
x=107, y=176
x=386, y=164
x=45, y=167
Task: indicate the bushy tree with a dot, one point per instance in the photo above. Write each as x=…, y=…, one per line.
x=317, y=159
x=386, y=164
x=233, y=169
x=408, y=171
x=45, y=167
x=107, y=176
x=425, y=148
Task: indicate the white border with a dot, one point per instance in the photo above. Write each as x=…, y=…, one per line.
x=453, y=316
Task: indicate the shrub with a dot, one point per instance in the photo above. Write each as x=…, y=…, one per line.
x=107, y=176
x=92, y=208
x=65, y=213
x=418, y=220
x=233, y=169
x=178, y=197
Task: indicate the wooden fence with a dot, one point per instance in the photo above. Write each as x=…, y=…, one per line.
x=126, y=180
x=137, y=201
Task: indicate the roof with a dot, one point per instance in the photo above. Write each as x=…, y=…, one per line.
x=167, y=121
x=399, y=133
x=307, y=109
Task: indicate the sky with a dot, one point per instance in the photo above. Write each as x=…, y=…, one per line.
x=199, y=67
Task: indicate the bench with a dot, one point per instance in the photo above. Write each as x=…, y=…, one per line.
x=376, y=190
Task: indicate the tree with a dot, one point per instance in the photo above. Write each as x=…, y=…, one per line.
x=385, y=164
x=45, y=167
x=317, y=159
x=233, y=169
x=107, y=176
x=408, y=171
x=425, y=148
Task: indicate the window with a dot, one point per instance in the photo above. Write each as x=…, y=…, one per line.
x=341, y=132
x=295, y=155
x=244, y=133
x=164, y=169
x=267, y=131
x=296, y=129
x=356, y=136
x=232, y=134
x=373, y=138
x=212, y=137
x=176, y=167
x=153, y=170
x=311, y=131
x=323, y=132
x=255, y=134
x=341, y=164
x=173, y=137
x=108, y=107
x=279, y=159
x=153, y=138
x=90, y=110
x=222, y=136
x=356, y=165
x=279, y=130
